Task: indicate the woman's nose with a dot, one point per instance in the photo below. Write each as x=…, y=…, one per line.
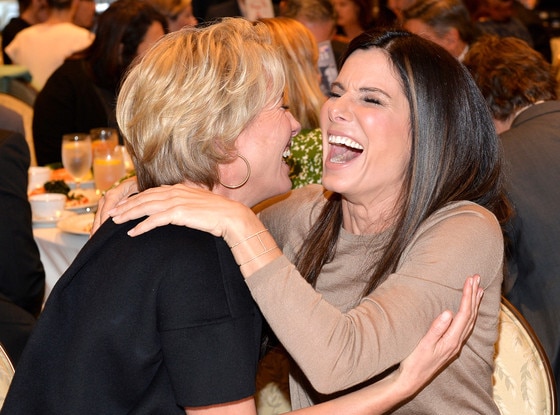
x=338, y=111
x=294, y=125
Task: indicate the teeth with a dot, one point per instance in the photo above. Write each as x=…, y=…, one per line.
x=287, y=153
x=345, y=141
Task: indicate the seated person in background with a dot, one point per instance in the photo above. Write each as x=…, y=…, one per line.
x=352, y=17
x=320, y=18
x=383, y=16
x=165, y=323
x=22, y=278
x=520, y=88
x=85, y=14
x=397, y=7
x=43, y=47
x=496, y=17
x=250, y=9
x=445, y=22
x=178, y=13
x=81, y=94
x=30, y=12
x=531, y=20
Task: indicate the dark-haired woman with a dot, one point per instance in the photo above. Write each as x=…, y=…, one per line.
x=82, y=93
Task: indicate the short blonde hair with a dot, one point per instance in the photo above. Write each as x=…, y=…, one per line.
x=300, y=54
x=182, y=107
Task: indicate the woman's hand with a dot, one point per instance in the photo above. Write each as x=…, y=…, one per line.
x=110, y=200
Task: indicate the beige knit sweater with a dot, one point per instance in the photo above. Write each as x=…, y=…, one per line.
x=339, y=340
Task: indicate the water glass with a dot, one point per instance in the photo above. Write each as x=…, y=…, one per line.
x=77, y=155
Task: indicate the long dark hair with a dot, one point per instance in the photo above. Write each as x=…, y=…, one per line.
x=455, y=151
x=120, y=29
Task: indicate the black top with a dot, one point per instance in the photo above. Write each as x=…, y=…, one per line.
x=16, y=25
x=143, y=325
x=22, y=278
x=68, y=103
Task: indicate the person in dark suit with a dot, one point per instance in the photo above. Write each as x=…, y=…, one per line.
x=520, y=88
x=22, y=277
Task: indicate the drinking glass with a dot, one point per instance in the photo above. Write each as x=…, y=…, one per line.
x=108, y=167
x=104, y=137
x=77, y=156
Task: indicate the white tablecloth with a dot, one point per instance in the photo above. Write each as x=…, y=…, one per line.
x=57, y=249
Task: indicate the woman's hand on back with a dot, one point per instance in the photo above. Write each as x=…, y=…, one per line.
x=186, y=206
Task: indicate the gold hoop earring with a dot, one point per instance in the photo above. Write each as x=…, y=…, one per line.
x=237, y=186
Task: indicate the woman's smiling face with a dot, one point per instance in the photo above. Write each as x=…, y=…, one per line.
x=366, y=130
x=264, y=143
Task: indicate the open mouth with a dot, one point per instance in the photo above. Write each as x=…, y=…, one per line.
x=287, y=153
x=343, y=149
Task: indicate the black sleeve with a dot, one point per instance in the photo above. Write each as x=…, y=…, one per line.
x=210, y=329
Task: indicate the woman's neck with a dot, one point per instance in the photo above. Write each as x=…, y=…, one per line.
x=368, y=218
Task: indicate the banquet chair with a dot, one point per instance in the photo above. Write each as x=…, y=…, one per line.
x=22, y=90
x=523, y=380
x=6, y=374
x=26, y=111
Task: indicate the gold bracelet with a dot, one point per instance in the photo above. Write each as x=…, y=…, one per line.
x=266, y=251
x=257, y=234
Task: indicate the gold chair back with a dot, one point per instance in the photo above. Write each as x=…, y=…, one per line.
x=6, y=374
x=523, y=380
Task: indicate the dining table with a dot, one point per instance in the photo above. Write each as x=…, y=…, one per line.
x=57, y=249
x=59, y=240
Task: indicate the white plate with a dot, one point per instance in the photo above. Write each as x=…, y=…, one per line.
x=77, y=224
x=91, y=206
x=51, y=223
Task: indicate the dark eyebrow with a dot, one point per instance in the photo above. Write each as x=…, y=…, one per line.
x=337, y=84
x=376, y=90
x=362, y=90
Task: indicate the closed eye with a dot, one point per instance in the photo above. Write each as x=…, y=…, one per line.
x=372, y=101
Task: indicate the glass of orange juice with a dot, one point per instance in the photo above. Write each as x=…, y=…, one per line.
x=108, y=167
x=104, y=137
